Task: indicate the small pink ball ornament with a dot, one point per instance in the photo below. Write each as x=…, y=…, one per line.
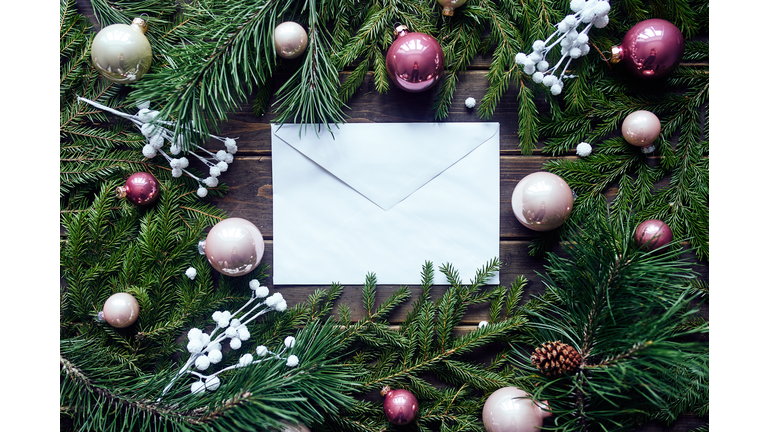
x=641, y=128
x=400, y=406
x=234, y=247
x=510, y=409
x=542, y=201
x=141, y=188
x=650, y=49
x=652, y=234
x=288, y=427
x=450, y=5
x=120, y=310
x=414, y=61
x=290, y=40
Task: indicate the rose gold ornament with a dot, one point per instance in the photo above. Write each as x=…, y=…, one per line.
x=141, y=188
x=400, y=406
x=510, y=409
x=450, y=5
x=234, y=247
x=290, y=40
x=650, y=49
x=542, y=201
x=652, y=234
x=641, y=128
x=414, y=61
x=120, y=310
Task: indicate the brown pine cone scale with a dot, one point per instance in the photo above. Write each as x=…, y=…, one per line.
x=555, y=359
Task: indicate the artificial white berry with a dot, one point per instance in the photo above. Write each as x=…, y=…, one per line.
x=535, y=57
x=542, y=66
x=289, y=342
x=212, y=383
x=602, y=21
x=556, y=89
x=482, y=324
x=575, y=52
x=223, y=166
x=281, y=306
x=577, y=5
x=183, y=162
x=243, y=333
x=601, y=8
x=191, y=273
x=469, y=102
x=529, y=68
x=235, y=343
x=261, y=350
x=214, y=171
x=194, y=334
x=220, y=155
x=584, y=149
x=202, y=192
x=156, y=141
x=148, y=151
x=261, y=292
x=231, y=332
x=582, y=38
x=253, y=284
x=205, y=338
x=538, y=45
x=229, y=158
x=216, y=316
x=198, y=387
x=549, y=80
x=211, y=181
x=176, y=172
x=538, y=77
x=570, y=20
x=202, y=363
x=175, y=149
x=292, y=361
x=520, y=58
x=195, y=346
x=245, y=360
x=214, y=356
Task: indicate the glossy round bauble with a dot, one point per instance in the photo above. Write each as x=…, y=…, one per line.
x=400, y=406
x=542, y=201
x=234, y=247
x=450, y=5
x=141, y=188
x=510, y=409
x=641, y=128
x=290, y=40
x=650, y=49
x=414, y=61
x=652, y=234
x=288, y=427
x=121, y=53
x=120, y=310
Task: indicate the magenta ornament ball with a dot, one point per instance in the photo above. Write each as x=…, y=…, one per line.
x=510, y=409
x=414, y=61
x=641, y=128
x=652, y=234
x=650, y=49
x=234, y=247
x=400, y=407
x=290, y=40
x=542, y=201
x=450, y=5
x=141, y=188
x=120, y=310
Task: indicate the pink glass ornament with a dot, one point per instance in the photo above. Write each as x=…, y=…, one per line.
x=141, y=189
x=450, y=5
x=120, y=310
x=542, y=201
x=641, y=128
x=234, y=247
x=414, y=61
x=290, y=40
x=400, y=406
x=652, y=234
x=650, y=49
x=510, y=409
x=287, y=427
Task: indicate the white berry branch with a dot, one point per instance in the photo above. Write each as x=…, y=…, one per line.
x=205, y=349
x=573, y=43
x=157, y=134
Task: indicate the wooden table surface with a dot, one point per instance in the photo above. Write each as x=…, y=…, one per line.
x=250, y=184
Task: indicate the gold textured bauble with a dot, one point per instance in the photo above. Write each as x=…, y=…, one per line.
x=121, y=53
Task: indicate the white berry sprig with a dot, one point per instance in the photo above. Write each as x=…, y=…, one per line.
x=205, y=348
x=158, y=134
x=573, y=43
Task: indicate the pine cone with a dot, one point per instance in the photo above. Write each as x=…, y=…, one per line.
x=556, y=358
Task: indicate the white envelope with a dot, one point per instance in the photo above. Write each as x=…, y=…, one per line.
x=384, y=198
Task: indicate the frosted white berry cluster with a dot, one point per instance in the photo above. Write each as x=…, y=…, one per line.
x=205, y=349
x=572, y=42
x=158, y=133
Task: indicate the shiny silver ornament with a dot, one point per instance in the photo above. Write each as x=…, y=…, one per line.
x=121, y=53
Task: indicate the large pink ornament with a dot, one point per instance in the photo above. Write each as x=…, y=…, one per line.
x=288, y=427
x=450, y=5
x=400, y=406
x=510, y=409
x=542, y=201
x=650, y=49
x=120, y=310
x=414, y=61
x=641, y=128
x=234, y=247
x=141, y=189
x=290, y=40
x=652, y=234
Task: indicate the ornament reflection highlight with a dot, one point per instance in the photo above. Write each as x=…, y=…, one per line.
x=542, y=201
x=290, y=40
x=414, y=61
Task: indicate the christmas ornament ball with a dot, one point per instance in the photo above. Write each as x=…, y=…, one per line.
x=121, y=53
x=141, y=188
x=414, y=61
x=509, y=409
x=650, y=49
x=450, y=5
x=234, y=247
x=641, y=128
x=652, y=234
x=288, y=427
x=120, y=310
x=400, y=406
x=542, y=201
x=290, y=40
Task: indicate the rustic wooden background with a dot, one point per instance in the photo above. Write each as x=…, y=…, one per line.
x=250, y=184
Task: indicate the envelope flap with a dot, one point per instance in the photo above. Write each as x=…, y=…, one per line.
x=387, y=162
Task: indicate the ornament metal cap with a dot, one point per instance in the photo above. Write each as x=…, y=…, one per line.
x=448, y=11
x=201, y=247
x=385, y=390
x=400, y=30
x=121, y=192
x=141, y=24
x=617, y=53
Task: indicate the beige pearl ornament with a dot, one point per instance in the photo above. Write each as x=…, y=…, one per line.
x=120, y=310
x=290, y=40
x=121, y=53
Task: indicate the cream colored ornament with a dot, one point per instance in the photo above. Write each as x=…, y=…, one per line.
x=121, y=53
x=290, y=40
